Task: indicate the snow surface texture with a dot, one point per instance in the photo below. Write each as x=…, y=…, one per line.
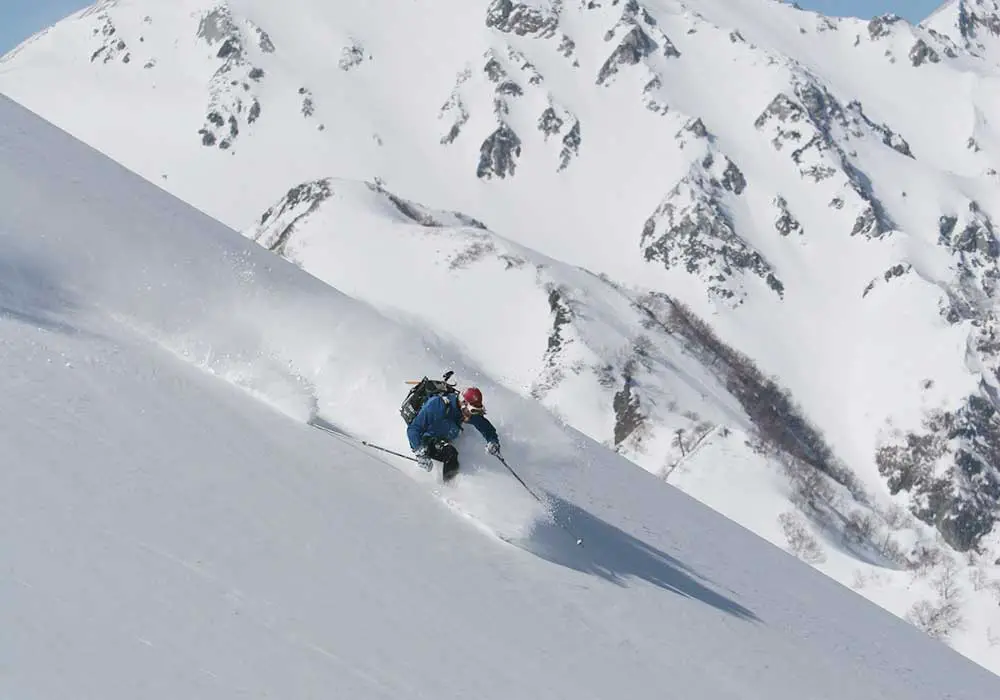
x=167, y=535
x=817, y=193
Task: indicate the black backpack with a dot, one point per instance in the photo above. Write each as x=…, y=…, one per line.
x=423, y=390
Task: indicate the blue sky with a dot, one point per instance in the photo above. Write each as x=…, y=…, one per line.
x=913, y=10
x=19, y=19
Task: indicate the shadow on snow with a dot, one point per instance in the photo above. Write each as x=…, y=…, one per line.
x=616, y=556
x=29, y=295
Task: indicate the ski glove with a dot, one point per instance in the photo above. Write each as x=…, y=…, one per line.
x=493, y=448
x=422, y=458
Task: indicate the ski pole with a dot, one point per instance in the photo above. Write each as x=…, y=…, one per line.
x=579, y=540
x=376, y=447
x=345, y=436
x=526, y=487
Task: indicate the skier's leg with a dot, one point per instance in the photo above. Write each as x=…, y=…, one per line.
x=448, y=454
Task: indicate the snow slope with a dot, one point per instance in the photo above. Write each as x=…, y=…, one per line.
x=820, y=193
x=165, y=534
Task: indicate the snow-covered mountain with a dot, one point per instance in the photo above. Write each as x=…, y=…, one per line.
x=749, y=247
x=167, y=535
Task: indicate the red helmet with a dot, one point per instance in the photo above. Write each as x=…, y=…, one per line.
x=473, y=397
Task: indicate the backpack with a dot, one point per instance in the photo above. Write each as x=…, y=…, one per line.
x=421, y=391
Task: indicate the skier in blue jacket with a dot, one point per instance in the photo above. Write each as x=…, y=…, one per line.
x=440, y=421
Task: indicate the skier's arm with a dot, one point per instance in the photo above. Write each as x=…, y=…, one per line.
x=417, y=427
x=485, y=428
x=429, y=412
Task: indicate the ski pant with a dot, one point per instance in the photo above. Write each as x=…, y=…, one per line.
x=445, y=453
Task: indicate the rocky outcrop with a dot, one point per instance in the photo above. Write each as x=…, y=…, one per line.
x=962, y=499
x=635, y=46
x=498, y=154
x=977, y=18
x=308, y=104
x=352, y=56
x=972, y=239
x=692, y=229
x=816, y=128
x=951, y=466
x=233, y=103
x=263, y=39
x=898, y=270
x=111, y=45
x=555, y=121
x=785, y=222
x=922, y=53
x=638, y=37
x=454, y=109
x=524, y=20
x=553, y=365
x=277, y=224
x=424, y=216
x=882, y=25
x=626, y=404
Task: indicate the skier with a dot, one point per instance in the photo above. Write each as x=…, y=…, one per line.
x=440, y=421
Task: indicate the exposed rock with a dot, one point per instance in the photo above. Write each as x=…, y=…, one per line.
x=921, y=53
x=951, y=467
x=827, y=24
x=628, y=416
x=509, y=88
x=898, y=270
x=571, y=146
x=351, y=56
x=961, y=501
x=111, y=46
x=972, y=21
x=977, y=251
x=566, y=47
x=649, y=92
x=420, y=214
x=733, y=179
x=518, y=59
x=816, y=127
x=278, y=223
x=456, y=109
x=881, y=26
x=692, y=229
x=524, y=20
x=550, y=122
x=697, y=127
x=642, y=39
x=308, y=104
x=264, y=40
x=499, y=153
x=785, y=223
x=552, y=368
x=631, y=50
x=232, y=103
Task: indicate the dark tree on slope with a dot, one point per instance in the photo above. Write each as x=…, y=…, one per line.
x=779, y=421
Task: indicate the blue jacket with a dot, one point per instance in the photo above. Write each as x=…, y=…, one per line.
x=440, y=418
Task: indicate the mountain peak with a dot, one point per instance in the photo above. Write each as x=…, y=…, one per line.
x=968, y=22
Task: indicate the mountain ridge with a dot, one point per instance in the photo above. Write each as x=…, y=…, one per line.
x=817, y=192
